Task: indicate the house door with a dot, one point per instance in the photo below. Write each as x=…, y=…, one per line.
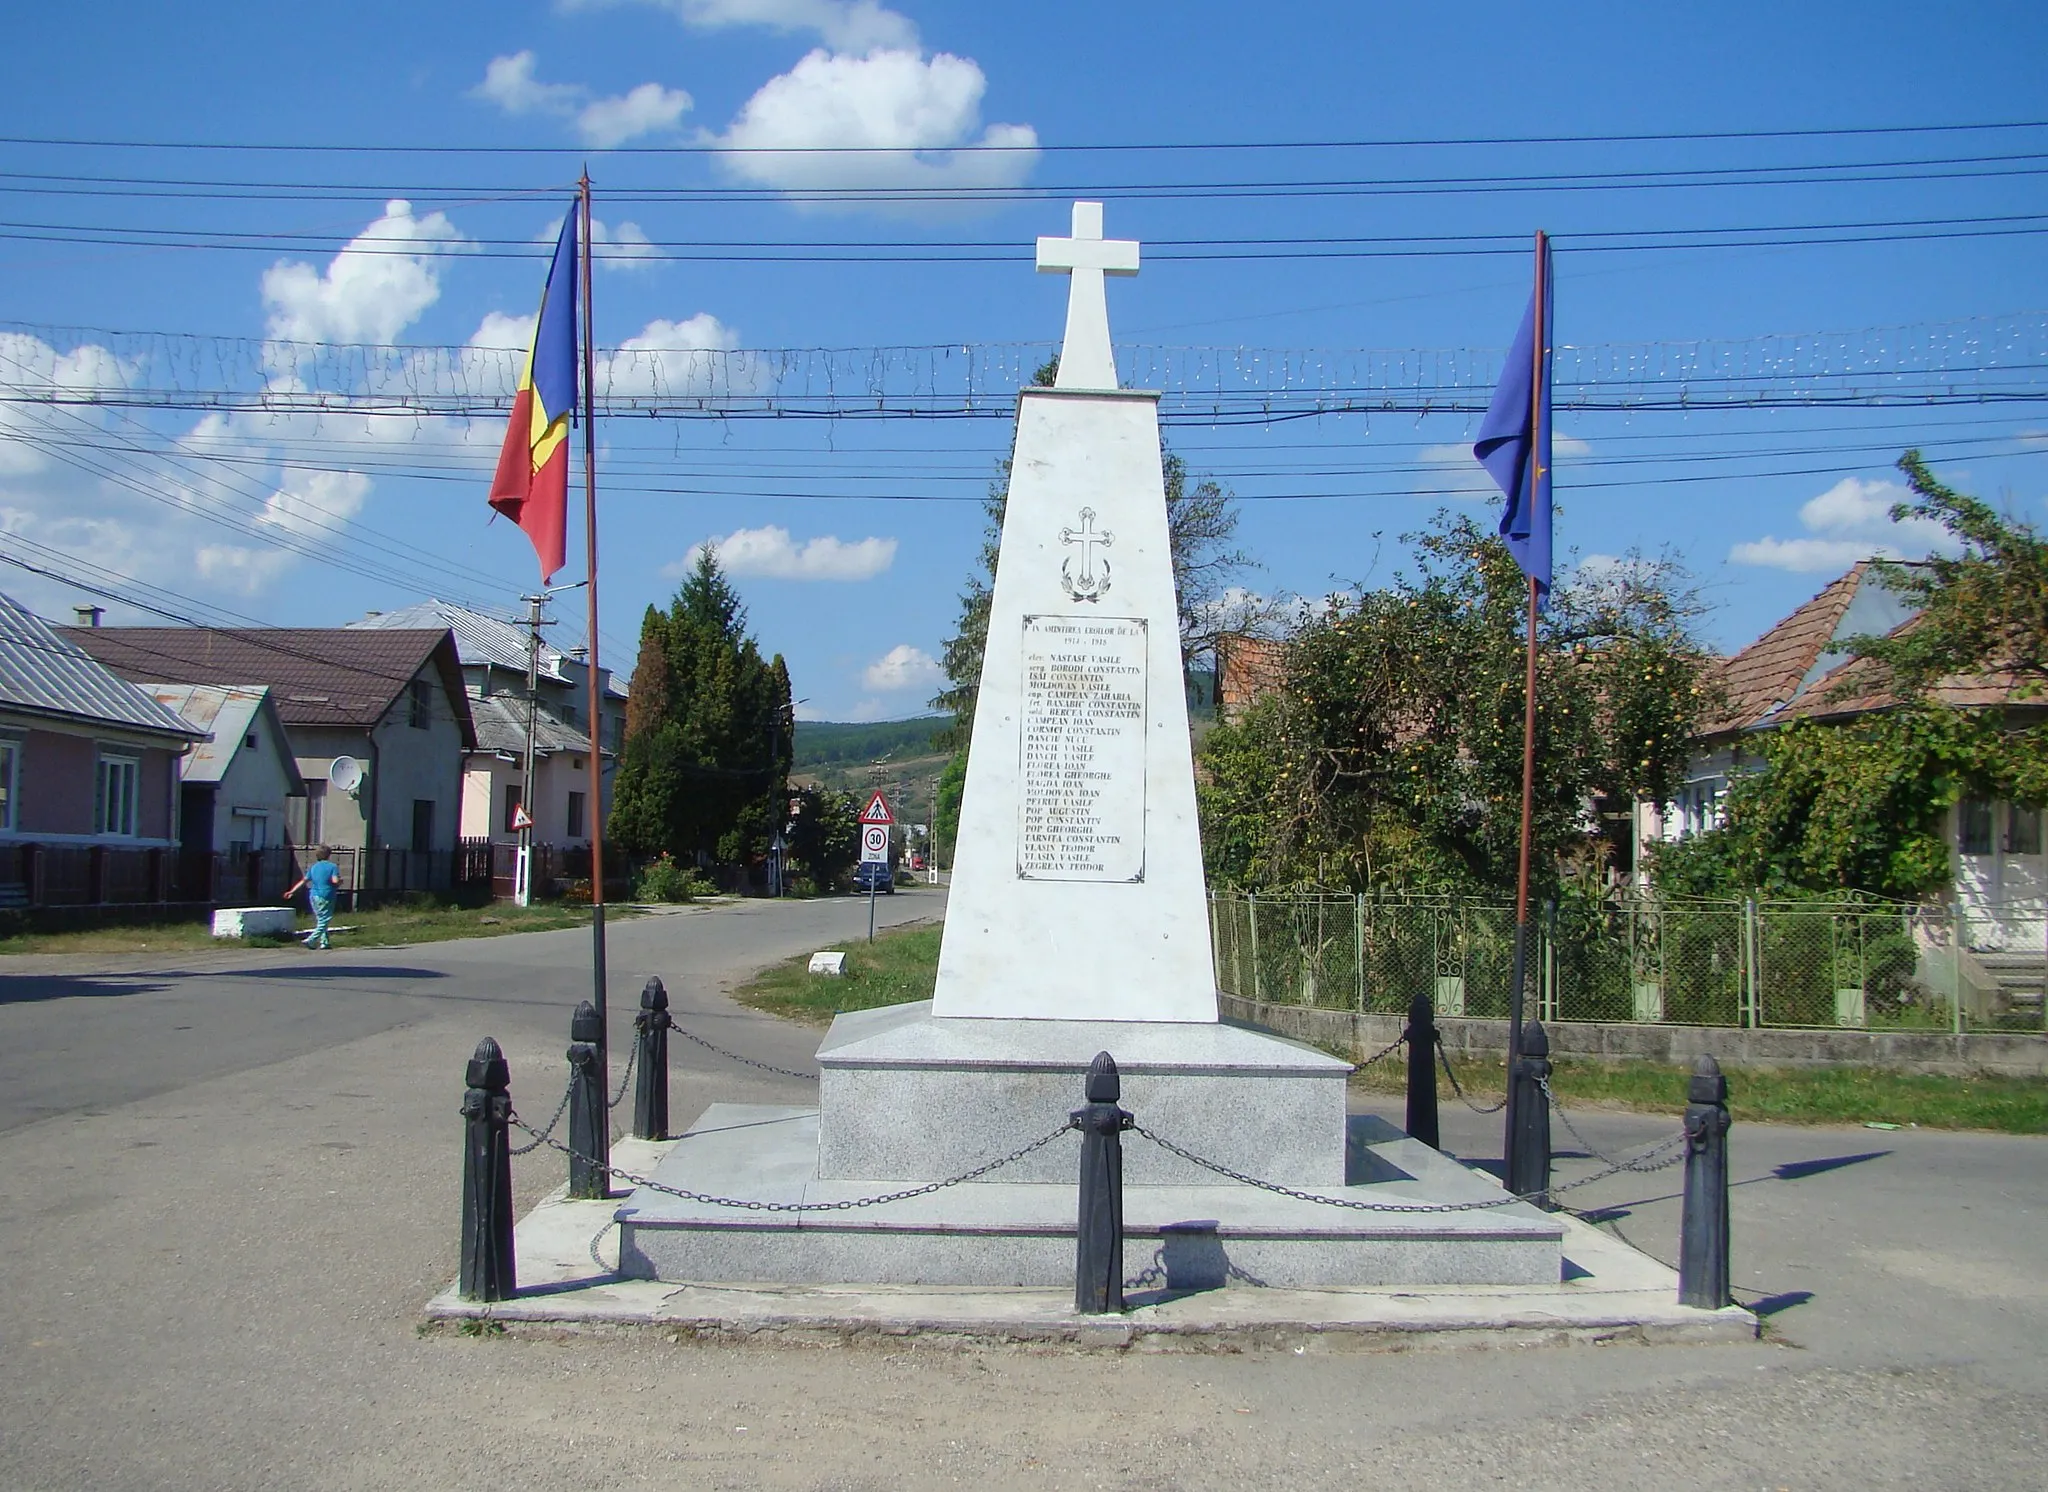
x=2001, y=874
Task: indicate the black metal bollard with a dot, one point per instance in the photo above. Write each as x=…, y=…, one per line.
x=650, y=1090
x=1703, y=1230
x=487, y=1266
x=1529, y=1151
x=1422, y=1119
x=1099, y=1240
x=590, y=1120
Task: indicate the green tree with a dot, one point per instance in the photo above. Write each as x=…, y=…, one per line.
x=1392, y=755
x=709, y=732
x=824, y=837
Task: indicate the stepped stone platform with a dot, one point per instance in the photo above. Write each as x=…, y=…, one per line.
x=1021, y=1234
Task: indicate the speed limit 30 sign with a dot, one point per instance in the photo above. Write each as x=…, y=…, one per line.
x=874, y=844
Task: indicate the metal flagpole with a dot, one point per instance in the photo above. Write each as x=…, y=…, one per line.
x=596, y=694
x=1518, y=979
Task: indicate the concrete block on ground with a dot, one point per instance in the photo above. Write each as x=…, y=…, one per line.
x=255, y=922
x=832, y=965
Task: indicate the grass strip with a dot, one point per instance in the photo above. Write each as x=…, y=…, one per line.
x=397, y=924
x=1783, y=1095
x=900, y=965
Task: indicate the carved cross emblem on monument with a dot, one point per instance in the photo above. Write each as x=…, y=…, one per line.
x=1088, y=585
x=1086, y=361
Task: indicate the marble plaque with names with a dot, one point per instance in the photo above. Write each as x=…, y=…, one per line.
x=1081, y=814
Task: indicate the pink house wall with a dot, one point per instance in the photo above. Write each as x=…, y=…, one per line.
x=56, y=786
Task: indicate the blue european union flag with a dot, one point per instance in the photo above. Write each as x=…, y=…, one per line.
x=1514, y=439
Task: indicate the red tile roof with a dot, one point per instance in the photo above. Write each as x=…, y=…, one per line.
x=1767, y=673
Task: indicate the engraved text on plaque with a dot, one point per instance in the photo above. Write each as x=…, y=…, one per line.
x=1082, y=811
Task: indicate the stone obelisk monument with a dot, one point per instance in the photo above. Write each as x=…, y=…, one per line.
x=1077, y=886
x=1076, y=924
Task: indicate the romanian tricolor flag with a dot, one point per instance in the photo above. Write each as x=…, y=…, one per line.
x=532, y=484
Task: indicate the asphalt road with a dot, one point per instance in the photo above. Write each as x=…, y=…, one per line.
x=228, y=1182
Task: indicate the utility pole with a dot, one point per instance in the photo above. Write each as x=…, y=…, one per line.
x=522, y=879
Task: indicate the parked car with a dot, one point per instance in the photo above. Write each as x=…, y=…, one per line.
x=872, y=875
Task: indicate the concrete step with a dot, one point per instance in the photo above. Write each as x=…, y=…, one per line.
x=994, y=1233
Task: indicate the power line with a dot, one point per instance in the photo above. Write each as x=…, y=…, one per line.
x=1175, y=147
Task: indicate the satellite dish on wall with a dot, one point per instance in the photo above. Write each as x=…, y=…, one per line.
x=346, y=773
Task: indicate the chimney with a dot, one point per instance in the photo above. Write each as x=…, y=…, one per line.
x=88, y=616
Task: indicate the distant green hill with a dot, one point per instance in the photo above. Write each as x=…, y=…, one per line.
x=830, y=743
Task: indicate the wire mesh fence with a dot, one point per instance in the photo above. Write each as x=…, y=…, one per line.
x=1849, y=964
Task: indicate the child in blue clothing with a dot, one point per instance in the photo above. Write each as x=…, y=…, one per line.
x=321, y=880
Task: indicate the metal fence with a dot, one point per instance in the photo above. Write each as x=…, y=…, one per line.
x=36, y=876
x=1945, y=966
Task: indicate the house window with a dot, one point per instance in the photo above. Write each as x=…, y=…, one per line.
x=115, y=795
x=422, y=825
x=2023, y=830
x=513, y=796
x=316, y=810
x=575, y=815
x=10, y=758
x=1973, y=826
x=422, y=712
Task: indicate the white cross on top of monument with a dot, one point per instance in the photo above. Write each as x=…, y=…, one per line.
x=1086, y=361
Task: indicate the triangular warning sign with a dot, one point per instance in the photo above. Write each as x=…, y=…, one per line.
x=521, y=819
x=877, y=811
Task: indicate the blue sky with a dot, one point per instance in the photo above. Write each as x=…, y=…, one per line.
x=169, y=282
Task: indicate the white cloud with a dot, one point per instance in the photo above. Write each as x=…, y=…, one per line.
x=902, y=667
x=370, y=291
x=510, y=84
x=670, y=358
x=1850, y=521
x=645, y=110
x=906, y=112
x=846, y=25
x=625, y=247
x=771, y=554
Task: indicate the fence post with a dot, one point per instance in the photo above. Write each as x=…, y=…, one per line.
x=1528, y=1160
x=1752, y=970
x=589, y=1119
x=1252, y=915
x=487, y=1267
x=1422, y=1118
x=1358, y=946
x=1956, y=934
x=1703, y=1230
x=1099, y=1234
x=650, y=1094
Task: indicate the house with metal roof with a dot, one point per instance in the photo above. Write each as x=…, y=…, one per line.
x=494, y=657
x=236, y=788
x=88, y=762
x=378, y=724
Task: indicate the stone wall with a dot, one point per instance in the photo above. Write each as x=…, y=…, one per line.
x=2007, y=1054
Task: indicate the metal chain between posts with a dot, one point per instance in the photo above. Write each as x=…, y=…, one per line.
x=784, y=1072
x=560, y=1109
x=625, y=1078
x=1387, y=1051
x=1443, y=1054
x=1557, y=1109
x=1675, y=1143
x=743, y=1204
